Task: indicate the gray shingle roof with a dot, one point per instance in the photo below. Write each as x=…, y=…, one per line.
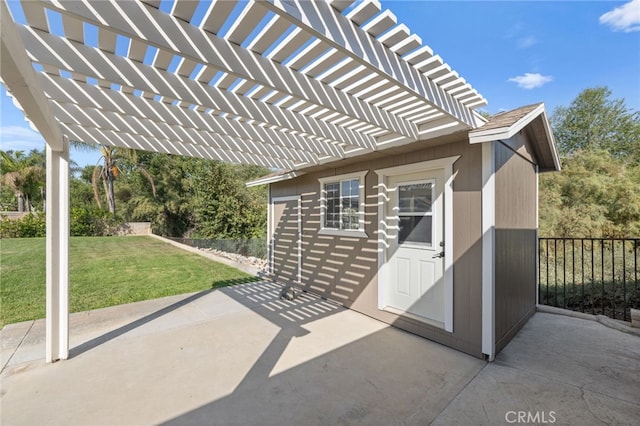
x=508, y=118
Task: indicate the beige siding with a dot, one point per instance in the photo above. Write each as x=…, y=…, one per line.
x=515, y=238
x=345, y=269
x=285, y=240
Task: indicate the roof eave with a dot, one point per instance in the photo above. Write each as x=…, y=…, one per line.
x=507, y=132
x=269, y=179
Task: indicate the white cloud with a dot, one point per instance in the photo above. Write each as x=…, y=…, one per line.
x=624, y=18
x=525, y=42
x=531, y=81
x=19, y=138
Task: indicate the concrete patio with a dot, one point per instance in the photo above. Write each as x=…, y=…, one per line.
x=241, y=356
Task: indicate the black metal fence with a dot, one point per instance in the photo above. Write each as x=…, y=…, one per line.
x=592, y=275
x=256, y=247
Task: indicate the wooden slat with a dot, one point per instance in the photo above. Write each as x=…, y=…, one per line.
x=341, y=5
x=336, y=72
x=268, y=35
x=73, y=28
x=110, y=67
x=183, y=9
x=307, y=55
x=419, y=55
x=125, y=123
x=364, y=11
x=137, y=50
x=248, y=20
x=380, y=23
x=295, y=40
x=217, y=15
x=407, y=45
x=320, y=20
x=186, y=67
x=106, y=40
x=21, y=80
x=162, y=59
x=176, y=147
x=323, y=63
x=154, y=3
x=87, y=96
x=35, y=15
x=356, y=74
x=394, y=35
x=155, y=26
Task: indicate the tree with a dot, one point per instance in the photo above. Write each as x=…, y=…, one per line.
x=109, y=171
x=170, y=210
x=595, y=195
x=223, y=206
x=594, y=120
x=25, y=176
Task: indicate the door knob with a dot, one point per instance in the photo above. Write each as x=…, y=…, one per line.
x=441, y=254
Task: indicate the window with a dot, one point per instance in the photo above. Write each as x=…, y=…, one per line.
x=342, y=204
x=414, y=212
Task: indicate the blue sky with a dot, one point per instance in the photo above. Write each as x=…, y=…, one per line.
x=513, y=52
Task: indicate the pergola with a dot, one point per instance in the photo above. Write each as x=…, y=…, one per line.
x=286, y=84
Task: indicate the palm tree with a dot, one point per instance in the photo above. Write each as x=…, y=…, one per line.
x=24, y=175
x=109, y=171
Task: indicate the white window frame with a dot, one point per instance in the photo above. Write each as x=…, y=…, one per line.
x=432, y=214
x=360, y=232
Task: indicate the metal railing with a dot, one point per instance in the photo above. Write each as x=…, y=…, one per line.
x=255, y=247
x=592, y=275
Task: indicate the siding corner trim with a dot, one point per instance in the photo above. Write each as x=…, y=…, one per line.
x=488, y=249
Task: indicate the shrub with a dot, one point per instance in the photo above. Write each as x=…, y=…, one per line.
x=93, y=222
x=85, y=222
x=29, y=226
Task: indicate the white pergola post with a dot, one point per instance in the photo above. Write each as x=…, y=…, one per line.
x=57, y=203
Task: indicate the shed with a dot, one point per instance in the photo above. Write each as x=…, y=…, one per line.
x=436, y=237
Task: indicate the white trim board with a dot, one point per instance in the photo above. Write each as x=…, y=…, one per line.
x=506, y=132
x=358, y=233
x=488, y=250
x=445, y=164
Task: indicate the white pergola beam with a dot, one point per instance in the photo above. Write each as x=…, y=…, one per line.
x=140, y=21
x=338, y=31
x=68, y=114
x=173, y=146
x=88, y=96
x=50, y=49
x=21, y=80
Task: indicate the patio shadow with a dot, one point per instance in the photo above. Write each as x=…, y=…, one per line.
x=91, y=344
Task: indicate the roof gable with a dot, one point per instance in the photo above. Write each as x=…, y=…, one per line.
x=533, y=119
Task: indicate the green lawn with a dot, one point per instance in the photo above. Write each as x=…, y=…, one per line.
x=104, y=271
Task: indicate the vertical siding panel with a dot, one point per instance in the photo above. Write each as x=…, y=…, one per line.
x=515, y=239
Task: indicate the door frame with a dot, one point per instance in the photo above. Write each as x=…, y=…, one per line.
x=271, y=231
x=446, y=165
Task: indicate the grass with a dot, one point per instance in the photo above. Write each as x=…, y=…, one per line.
x=104, y=271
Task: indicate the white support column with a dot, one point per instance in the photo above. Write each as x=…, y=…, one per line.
x=57, y=204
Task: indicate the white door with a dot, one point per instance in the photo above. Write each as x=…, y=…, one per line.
x=416, y=246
